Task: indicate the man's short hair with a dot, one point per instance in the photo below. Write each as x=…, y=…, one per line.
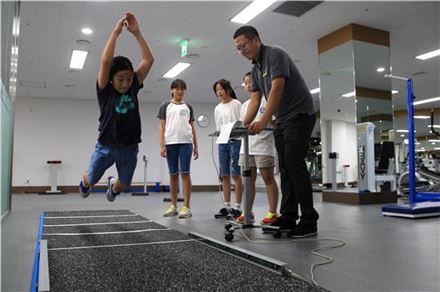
x=248, y=31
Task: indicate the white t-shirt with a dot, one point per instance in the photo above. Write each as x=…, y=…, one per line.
x=177, y=118
x=226, y=113
x=263, y=143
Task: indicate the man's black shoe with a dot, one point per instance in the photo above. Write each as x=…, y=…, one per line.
x=303, y=230
x=284, y=222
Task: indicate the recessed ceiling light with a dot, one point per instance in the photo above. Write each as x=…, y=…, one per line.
x=394, y=91
x=86, y=31
x=349, y=94
x=427, y=100
x=176, y=70
x=252, y=10
x=316, y=90
x=380, y=69
x=78, y=59
x=429, y=55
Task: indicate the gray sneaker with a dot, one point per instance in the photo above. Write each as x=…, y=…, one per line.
x=83, y=190
x=171, y=211
x=184, y=213
x=110, y=194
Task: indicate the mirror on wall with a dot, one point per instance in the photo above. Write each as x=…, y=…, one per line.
x=338, y=112
x=374, y=108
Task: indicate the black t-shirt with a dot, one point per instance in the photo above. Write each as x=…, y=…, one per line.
x=119, y=122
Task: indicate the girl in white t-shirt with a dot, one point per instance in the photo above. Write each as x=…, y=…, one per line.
x=228, y=111
x=178, y=142
x=261, y=156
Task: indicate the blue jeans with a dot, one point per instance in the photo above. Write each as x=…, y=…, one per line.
x=228, y=158
x=179, y=158
x=104, y=157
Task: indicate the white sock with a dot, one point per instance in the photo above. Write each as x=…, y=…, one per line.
x=227, y=205
x=237, y=206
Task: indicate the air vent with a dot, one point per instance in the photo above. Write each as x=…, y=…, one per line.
x=296, y=8
x=418, y=73
x=34, y=84
x=83, y=42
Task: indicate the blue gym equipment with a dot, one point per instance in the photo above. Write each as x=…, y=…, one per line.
x=421, y=204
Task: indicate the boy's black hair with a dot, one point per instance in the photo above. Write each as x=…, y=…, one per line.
x=226, y=85
x=248, y=31
x=247, y=74
x=178, y=83
x=119, y=63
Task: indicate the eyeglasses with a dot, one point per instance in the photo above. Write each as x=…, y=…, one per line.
x=240, y=47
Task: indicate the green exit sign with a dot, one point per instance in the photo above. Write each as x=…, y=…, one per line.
x=183, y=48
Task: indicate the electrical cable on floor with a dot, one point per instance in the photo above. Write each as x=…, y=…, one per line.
x=265, y=241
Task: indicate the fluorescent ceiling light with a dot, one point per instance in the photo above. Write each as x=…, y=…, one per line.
x=421, y=117
x=252, y=10
x=86, y=30
x=16, y=26
x=380, y=69
x=435, y=126
x=176, y=70
x=316, y=90
x=349, y=94
x=394, y=91
x=78, y=59
x=429, y=55
x=434, y=140
x=401, y=131
x=427, y=100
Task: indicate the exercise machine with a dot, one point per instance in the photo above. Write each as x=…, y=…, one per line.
x=53, y=177
x=421, y=204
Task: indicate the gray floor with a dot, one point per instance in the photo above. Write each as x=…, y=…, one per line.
x=382, y=253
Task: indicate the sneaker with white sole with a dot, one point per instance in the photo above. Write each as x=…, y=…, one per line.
x=111, y=195
x=83, y=190
x=171, y=211
x=184, y=212
x=270, y=218
x=240, y=219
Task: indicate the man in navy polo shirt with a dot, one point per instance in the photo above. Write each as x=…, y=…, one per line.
x=275, y=76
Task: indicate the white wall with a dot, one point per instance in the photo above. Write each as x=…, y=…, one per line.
x=66, y=130
x=340, y=137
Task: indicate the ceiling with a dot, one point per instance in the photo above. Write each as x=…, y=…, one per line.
x=50, y=30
